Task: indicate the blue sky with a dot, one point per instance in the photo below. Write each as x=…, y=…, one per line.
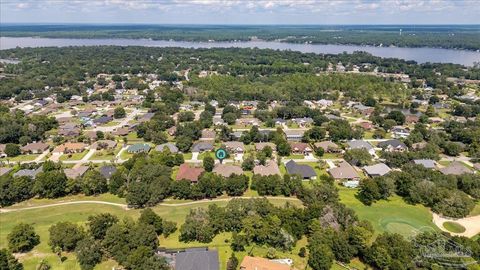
x=242, y=12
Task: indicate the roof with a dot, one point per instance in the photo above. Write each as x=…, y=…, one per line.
x=344, y=171
x=326, y=145
x=107, y=171
x=427, y=163
x=197, y=259
x=108, y=143
x=4, y=170
x=377, y=169
x=256, y=263
x=139, y=147
x=300, y=146
x=226, y=170
x=208, y=134
x=294, y=133
x=455, y=168
x=202, y=146
x=261, y=145
x=393, y=143
x=360, y=144
x=172, y=147
x=303, y=170
x=234, y=145
x=271, y=168
x=70, y=146
x=39, y=146
x=28, y=172
x=189, y=173
x=75, y=172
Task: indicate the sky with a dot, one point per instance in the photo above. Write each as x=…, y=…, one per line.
x=241, y=11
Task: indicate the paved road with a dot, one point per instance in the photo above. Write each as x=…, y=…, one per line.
x=42, y=156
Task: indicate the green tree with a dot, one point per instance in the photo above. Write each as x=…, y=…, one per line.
x=320, y=257
x=94, y=183
x=65, y=235
x=99, y=224
x=12, y=150
x=8, y=262
x=119, y=112
x=232, y=263
x=51, y=184
x=358, y=157
x=89, y=253
x=22, y=238
x=208, y=163
x=149, y=217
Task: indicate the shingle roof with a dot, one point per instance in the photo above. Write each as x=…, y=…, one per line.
x=303, y=170
x=172, y=147
x=107, y=171
x=255, y=263
x=138, y=147
x=360, y=144
x=455, y=168
x=75, y=172
x=271, y=168
x=39, y=146
x=377, y=169
x=189, y=173
x=202, y=146
x=28, y=172
x=197, y=259
x=226, y=170
x=427, y=163
x=326, y=145
x=344, y=171
x=393, y=143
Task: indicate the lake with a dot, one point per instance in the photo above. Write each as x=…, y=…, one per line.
x=420, y=55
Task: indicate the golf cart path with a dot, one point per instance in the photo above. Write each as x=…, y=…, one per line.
x=125, y=207
x=471, y=224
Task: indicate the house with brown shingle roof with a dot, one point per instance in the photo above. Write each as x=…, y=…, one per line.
x=455, y=168
x=189, y=173
x=34, y=148
x=104, y=144
x=271, y=168
x=259, y=146
x=226, y=170
x=328, y=146
x=344, y=171
x=74, y=173
x=256, y=263
x=208, y=135
x=235, y=147
x=300, y=148
x=67, y=148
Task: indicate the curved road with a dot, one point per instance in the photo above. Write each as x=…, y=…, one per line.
x=124, y=206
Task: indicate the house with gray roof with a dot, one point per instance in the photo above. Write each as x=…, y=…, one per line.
x=197, y=259
x=138, y=148
x=76, y=172
x=170, y=146
x=294, y=135
x=360, y=144
x=376, y=170
x=305, y=171
x=427, y=163
x=4, y=170
x=455, y=168
x=393, y=145
x=202, y=147
x=28, y=172
x=107, y=171
x=303, y=122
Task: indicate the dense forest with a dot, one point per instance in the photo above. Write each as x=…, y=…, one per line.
x=266, y=73
x=458, y=37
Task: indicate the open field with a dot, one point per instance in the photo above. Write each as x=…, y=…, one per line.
x=393, y=215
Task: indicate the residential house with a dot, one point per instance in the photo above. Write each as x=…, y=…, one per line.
x=328, y=146
x=247, y=122
x=236, y=135
x=324, y=103
x=271, y=168
x=102, y=120
x=259, y=146
x=427, y=163
x=344, y=171
x=34, y=148
x=197, y=259
x=235, y=147
x=226, y=170
x=208, y=135
x=303, y=122
x=75, y=172
x=300, y=148
x=366, y=125
x=146, y=117
x=455, y=168
x=280, y=121
x=360, y=144
x=69, y=130
x=419, y=146
x=364, y=110
x=172, y=130
x=305, y=171
x=200, y=147
x=139, y=148
x=218, y=121
x=411, y=119
x=400, y=132
x=32, y=173
x=257, y=263
x=70, y=148
x=107, y=171
x=170, y=146
x=122, y=131
x=104, y=144
x=294, y=135
x=393, y=146
x=189, y=173
x=379, y=169
x=4, y=170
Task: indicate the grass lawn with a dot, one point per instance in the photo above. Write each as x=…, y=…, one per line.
x=476, y=210
x=201, y=156
x=43, y=218
x=74, y=156
x=24, y=158
x=453, y=227
x=187, y=156
x=393, y=215
x=294, y=156
x=331, y=156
